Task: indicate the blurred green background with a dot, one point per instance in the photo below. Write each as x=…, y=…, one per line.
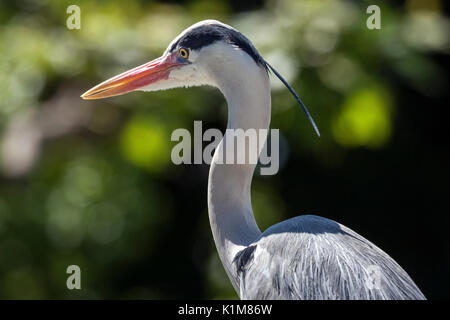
x=92, y=184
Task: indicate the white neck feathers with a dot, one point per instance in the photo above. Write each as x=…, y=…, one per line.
x=246, y=88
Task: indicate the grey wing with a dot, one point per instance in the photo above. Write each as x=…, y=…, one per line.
x=310, y=257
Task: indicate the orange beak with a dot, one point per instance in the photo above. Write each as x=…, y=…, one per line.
x=144, y=75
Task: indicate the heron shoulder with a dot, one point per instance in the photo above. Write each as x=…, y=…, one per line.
x=311, y=224
x=310, y=257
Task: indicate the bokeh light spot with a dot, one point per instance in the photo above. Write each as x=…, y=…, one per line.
x=145, y=143
x=364, y=120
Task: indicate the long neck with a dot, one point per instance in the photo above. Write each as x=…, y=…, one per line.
x=229, y=201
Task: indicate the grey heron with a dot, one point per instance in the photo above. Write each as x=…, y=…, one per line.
x=306, y=257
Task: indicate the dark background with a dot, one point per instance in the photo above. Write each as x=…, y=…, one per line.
x=92, y=184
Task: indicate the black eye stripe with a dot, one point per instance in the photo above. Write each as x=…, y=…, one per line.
x=205, y=35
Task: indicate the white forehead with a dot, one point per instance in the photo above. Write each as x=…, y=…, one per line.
x=196, y=25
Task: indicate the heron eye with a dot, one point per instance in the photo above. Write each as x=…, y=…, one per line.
x=183, y=53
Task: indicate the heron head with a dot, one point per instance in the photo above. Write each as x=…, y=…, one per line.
x=207, y=53
x=193, y=58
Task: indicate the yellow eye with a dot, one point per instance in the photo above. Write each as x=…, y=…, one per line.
x=183, y=53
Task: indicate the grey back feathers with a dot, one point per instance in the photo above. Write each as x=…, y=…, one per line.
x=309, y=257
